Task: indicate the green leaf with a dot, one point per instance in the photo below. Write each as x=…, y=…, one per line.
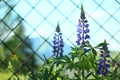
x=67, y=59
x=51, y=69
x=96, y=77
x=46, y=74
x=46, y=60
x=83, y=72
x=76, y=75
x=32, y=76
x=101, y=44
x=94, y=51
x=89, y=74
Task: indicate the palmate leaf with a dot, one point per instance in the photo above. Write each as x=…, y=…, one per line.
x=88, y=75
x=84, y=52
x=46, y=76
x=75, y=48
x=76, y=75
x=83, y=73
x=45, y=59
x=91, y=48
x=67, y=59
x=32, y=77
x=48, y=72
x=94, y=51
x=86, y=63
x=101, y=44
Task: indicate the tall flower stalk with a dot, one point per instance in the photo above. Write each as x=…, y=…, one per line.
x=104, y=61
x=58, y=43
x=82, y=29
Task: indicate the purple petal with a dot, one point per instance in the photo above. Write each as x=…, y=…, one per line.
x=87, y=36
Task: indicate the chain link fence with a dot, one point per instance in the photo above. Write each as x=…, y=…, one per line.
x=27, y=28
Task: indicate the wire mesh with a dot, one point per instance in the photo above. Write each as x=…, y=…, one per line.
x=40, y=17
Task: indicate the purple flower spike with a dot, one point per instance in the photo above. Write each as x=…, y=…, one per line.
x=82, y=29
x=104, y=61
x=58, y=43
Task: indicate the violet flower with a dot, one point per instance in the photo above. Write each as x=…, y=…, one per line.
x=82, y=29
x=58, y=43
x=104, y=61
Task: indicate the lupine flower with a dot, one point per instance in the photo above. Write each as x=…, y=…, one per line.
x=104, y=61
x=82, y=29
x=58, y=43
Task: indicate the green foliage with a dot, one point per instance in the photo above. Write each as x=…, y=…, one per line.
x=77, y=65
x=15, y=47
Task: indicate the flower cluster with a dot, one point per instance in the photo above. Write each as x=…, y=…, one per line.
x=82, y=29
x=104, y=61
x=58, y=43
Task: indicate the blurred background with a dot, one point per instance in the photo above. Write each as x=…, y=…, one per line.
x=27, y=28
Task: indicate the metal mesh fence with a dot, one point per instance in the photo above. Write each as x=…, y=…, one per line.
x=35, y=20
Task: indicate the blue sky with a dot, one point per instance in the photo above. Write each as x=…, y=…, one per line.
x=46, y=13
